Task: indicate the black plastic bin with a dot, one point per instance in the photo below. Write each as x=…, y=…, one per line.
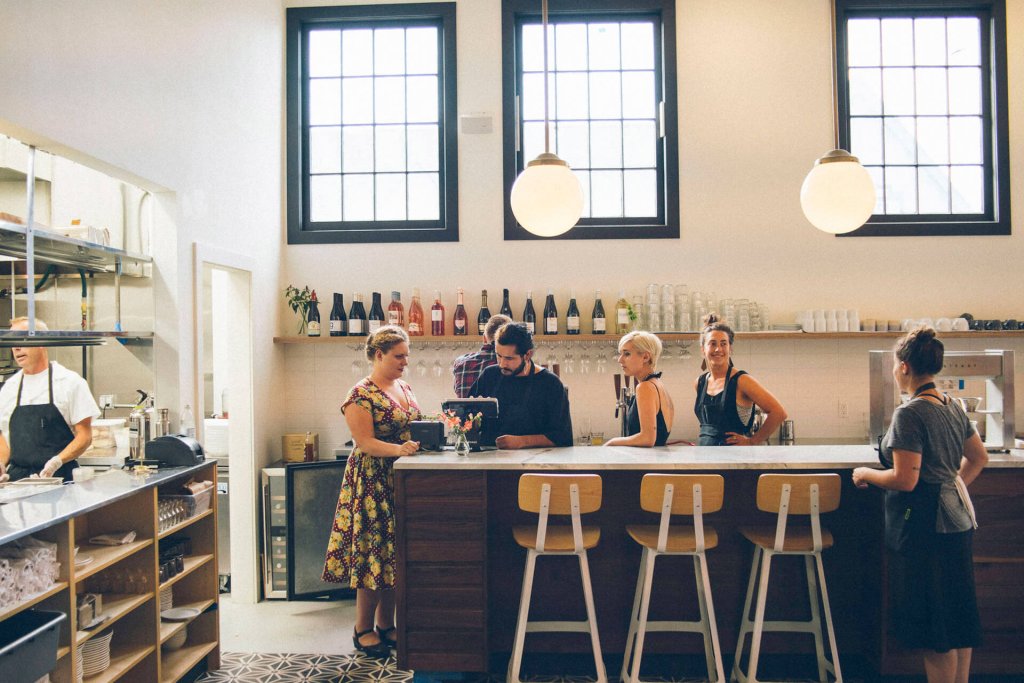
x=28, y=645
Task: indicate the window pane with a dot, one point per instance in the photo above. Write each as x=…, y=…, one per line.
x=424, y=197
x=324, y=198
x=533, y=140
x=965, y=90
x=932, y=141
x=357, y=100
x=933, y=189
x=638, y=95
x=574, y=143
x=389, y=51
x=389, y=148
x=357, y=52
x=863, y=42
x=604, y=46
x=570, y=47
x=606, y=193
x=584, y=178
x=897, y=42
x=866, y=140
x=605, y=95
x=357, y=149
x=606, y=144
x=570, y=96
x=389, y=100
x=963, y=41
x=965, y=140
x=931, y=91
x=358, y=198
x=900, y=190
x=423, y=148
x=422, y=99
x=325, y=150
x=968, y=189
x=391, y=197
x=898, y=91
x=531, y=102
x=638, y=45
x=533, y=48
x=641, y=193
x=640, y=144
x=899, y=140
x=878, y=179
x=930, y=41
x=421, y=50
x=865, y=91
x=324, y=102
x=324, y=53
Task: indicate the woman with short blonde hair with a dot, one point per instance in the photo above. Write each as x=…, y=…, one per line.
x=650, y=412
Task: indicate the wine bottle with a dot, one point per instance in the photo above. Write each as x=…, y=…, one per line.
x=396, y=311
x=506, y=309
x=597, y=319
x=621, y=314
x=572, y=316
x=376, y=314
x=550, y=314
x=415, y=314
x=313, y=316
x=338, y=317
x=437, y=316
x=529, y=316
x=461, y=320
x=484, y=315
x=357, y=317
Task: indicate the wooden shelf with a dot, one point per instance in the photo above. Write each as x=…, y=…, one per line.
x=169, y=628
x=177, y=663
x=34, y=600
x=121, y=662
x=182, y=525
x=104, y=556
x=115, y=606
x=192, y=563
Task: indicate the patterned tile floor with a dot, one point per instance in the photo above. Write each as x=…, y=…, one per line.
x=288, y=668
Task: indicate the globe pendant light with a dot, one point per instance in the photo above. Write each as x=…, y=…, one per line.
x=838, y=195
x=547, y=198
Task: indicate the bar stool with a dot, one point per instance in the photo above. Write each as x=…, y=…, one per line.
x=680, y=494
x=787, y=495
x=557, y=494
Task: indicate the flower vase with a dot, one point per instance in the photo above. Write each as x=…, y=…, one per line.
x=461, y=444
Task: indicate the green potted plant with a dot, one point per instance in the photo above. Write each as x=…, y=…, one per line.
x=299, y=299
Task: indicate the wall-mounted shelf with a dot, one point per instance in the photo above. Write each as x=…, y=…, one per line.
x=50, y=247
x=49, y=338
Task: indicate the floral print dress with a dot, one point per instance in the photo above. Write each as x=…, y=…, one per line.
x=361, y=548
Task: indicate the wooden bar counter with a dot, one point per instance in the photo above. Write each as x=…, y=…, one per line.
x=460, y=571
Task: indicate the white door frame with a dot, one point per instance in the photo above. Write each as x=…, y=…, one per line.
x=243, y=485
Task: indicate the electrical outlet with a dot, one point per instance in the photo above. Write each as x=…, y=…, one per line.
x=842, y=411
x=106, y=401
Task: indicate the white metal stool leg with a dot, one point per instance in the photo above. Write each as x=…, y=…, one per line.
x=645, y=606
x=712, y=648
x=746, y=623
x=828, y=620
x=815, y=621
x=595, y=640
x=524, y=611
x=627, y=653
x=762, y=598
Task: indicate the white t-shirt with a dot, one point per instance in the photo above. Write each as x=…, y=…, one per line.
x=71, y=395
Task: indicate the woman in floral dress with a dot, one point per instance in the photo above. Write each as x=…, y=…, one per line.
x=361, y=549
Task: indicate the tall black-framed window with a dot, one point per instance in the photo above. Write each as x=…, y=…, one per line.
x=923, y=104
x=612, y=107
x=371, y=124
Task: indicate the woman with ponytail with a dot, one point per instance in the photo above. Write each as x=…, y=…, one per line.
x=726, y=397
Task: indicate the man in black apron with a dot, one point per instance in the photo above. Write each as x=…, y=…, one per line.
x=38, y=439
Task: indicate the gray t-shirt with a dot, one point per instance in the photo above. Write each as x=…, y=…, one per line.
x=938, y=432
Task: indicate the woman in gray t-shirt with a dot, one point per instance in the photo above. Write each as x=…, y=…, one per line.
x=929, y=528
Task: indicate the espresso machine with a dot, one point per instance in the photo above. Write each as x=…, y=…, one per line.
x=994, y=366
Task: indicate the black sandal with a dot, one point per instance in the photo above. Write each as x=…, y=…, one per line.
x=392, y=643
x=376, y=650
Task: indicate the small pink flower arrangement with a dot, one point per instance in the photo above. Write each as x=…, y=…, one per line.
x=457, y=425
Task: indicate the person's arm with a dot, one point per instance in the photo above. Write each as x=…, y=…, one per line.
x=360, y=423
x=5, y=457
x=903, y=476
x=512, y=442
x=974, y=460
x=647, y=407
x=774, y=413
x=78, y=445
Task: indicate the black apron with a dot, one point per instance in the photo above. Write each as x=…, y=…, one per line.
x=717, y=414
x=36, y=434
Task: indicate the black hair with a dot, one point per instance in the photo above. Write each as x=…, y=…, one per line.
x=515, y=334
x=922, y=350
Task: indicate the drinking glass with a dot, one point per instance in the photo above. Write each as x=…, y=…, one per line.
x=567, y=359
x=585, y=358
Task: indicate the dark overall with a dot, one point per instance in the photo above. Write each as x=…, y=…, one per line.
x=717, y=414
x=36, y=434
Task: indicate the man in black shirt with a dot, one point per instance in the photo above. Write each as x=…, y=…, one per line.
x=533, y=408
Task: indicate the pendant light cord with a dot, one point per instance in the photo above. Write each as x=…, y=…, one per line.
x=834, y=74
x=544, y=24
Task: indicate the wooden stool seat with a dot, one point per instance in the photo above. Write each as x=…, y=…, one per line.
x=680, y=539
x=797, y=540
x=558, y=539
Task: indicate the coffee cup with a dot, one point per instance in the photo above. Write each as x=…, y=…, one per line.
x=944, y=325
x=961, y=325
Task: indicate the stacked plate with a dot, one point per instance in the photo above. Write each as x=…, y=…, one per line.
x=166, y=598
x=79, y=671
x=95, y=654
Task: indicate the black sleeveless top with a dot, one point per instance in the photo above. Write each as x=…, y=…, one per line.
x=633, y=417
x=717, y=414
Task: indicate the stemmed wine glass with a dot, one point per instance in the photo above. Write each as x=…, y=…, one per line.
x=585, y=358
x=567, y=359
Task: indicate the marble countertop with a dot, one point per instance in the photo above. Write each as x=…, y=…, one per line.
x=669, y=458
x=28, y=515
